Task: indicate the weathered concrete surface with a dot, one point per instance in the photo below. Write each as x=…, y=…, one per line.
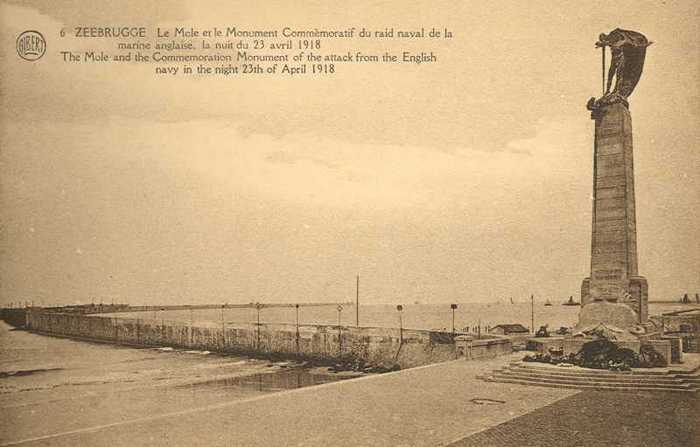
x=426, y=406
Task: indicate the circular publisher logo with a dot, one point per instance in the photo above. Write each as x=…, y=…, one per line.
x=31, y=45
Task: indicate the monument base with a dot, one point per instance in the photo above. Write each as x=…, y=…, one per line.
x=632, y=293
x=572, y=344
x=615, y=315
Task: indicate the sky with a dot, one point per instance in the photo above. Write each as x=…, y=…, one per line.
x=461, y=181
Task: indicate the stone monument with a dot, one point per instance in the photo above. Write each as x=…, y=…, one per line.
x=614, y=298
x=614, y=294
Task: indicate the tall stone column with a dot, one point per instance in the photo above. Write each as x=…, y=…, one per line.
x=614, y=293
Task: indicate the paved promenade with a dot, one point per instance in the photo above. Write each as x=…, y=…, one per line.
x=135, y=397
x=601, y=419
x=427, y=406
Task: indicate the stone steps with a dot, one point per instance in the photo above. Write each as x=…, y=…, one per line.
x=586, y=386
x=526, y=373
x=637, y=371
x=608, y=382
x=622, y=377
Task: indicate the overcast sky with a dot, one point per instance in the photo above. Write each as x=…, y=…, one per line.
x=465, y=180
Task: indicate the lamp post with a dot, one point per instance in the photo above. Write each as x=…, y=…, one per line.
x=191, y=326
x=258, y=306
x=453, y=307
x=296, y=306
x=357, y=302
x=340, y=330
x=399, y=308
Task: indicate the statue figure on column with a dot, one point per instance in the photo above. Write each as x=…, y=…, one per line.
x=628, y=49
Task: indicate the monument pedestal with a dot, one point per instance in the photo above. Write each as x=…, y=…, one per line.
x=614, y=294
x=614, y=298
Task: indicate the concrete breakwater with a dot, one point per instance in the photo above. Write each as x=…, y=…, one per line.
x=370, y=346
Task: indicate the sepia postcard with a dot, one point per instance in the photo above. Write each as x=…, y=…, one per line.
x=324, y=223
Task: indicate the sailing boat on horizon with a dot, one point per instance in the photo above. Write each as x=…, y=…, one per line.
x=571, y=302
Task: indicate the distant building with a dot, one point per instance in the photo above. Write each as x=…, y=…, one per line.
x=509, y=329
x=684, y=324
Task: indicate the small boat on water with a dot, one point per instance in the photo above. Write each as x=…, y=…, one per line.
x=571, y=302
x=547, y=303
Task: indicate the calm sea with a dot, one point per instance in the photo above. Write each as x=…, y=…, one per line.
x=414, y=316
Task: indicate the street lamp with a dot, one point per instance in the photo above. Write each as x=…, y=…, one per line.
x=296, y=306
x=399, y=309
x=223, y=326
x=340, y=333
x=258, y=306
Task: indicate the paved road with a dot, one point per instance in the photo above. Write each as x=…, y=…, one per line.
x=592, y=419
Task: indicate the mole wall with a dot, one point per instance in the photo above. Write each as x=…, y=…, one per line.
x=374, y=346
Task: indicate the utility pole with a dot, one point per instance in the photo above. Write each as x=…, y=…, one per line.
x=357, y=302
x=532, y=313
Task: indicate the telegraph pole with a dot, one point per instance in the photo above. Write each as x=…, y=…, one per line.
x=532, y=313
x=357, y=302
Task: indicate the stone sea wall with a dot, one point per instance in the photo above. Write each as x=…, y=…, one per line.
x=373, y=346
x=16, y=317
